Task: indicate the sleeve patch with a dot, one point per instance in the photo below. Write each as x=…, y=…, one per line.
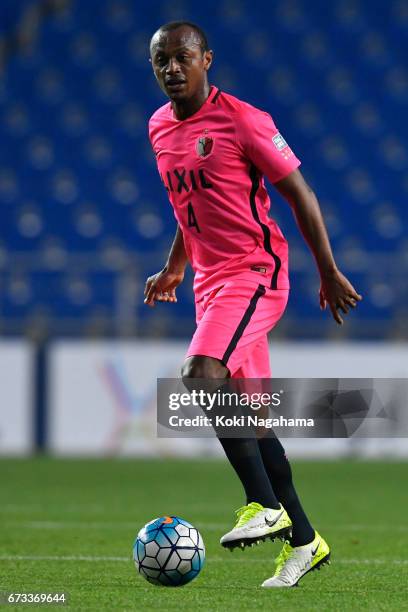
x=279, y=141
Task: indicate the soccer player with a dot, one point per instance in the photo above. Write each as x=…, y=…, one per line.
x=212, y=151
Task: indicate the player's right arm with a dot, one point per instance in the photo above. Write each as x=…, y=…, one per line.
x=269, y=152
x=162, y=285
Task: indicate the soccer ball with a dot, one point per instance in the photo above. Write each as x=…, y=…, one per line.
x=169, y=551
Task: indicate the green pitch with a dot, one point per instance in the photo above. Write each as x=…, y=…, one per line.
x=70, y=526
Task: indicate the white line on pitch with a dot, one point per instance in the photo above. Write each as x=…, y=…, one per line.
x=94, y=525
x=60, y=558
x=211, y=559
x=208, y=526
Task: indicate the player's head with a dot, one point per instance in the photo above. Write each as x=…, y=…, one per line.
x=180, y=59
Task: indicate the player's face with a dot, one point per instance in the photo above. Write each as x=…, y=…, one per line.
x=179, y=64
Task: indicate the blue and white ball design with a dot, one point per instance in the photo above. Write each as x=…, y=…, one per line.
x=169, y=551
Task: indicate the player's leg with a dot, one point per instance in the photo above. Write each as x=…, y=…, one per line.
x=280, y=474
x=305, y=550
x=273, y=455
x=262, y=516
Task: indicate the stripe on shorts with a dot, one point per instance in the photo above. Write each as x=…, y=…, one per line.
x=243, y=323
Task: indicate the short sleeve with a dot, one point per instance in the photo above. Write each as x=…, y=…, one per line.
x=261, y=141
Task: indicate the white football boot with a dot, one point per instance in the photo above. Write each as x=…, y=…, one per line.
x=294, y=562
x=256, y=523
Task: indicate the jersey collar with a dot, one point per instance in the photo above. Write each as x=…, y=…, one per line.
x=213, y=92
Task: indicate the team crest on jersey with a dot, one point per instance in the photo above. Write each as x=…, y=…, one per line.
x=204, y=146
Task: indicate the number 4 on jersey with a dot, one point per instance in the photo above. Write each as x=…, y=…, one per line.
x=192, y=220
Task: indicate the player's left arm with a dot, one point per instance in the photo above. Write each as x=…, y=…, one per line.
x=336, y=291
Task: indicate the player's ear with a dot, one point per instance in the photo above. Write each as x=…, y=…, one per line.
x=208, y=58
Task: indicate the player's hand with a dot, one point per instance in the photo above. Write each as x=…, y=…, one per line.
x=161, y=287
x=337, y=293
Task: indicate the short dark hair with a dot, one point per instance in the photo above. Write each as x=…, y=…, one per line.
x=174, y=25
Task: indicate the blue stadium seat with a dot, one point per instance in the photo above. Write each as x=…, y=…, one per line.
x=84, y=212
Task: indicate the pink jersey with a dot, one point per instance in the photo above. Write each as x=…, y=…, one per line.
x=212, y=165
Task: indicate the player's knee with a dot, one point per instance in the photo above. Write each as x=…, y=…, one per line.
x=203, y=367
